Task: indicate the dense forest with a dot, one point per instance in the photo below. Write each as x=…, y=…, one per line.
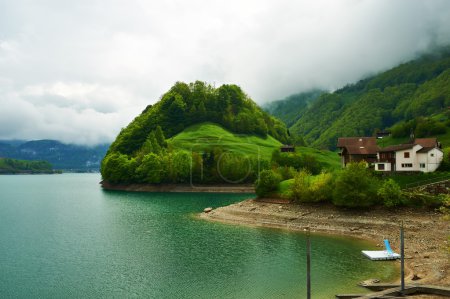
x=13, y=166
x=145, y=151
x=400, y=99
x=292, y=108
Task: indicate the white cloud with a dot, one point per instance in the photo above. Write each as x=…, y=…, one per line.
x=80, y=70
x=73, y=113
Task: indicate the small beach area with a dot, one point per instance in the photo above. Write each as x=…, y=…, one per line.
x=426, y=243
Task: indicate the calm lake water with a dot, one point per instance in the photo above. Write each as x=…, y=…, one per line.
x=62, y=236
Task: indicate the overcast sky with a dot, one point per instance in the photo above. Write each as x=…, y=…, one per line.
x=78, y=71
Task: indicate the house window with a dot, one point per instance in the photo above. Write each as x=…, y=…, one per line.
x=406, y=154
x=406, y=165
x=380, y=166
x=422, y=165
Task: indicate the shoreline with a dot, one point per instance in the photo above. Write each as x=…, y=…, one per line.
x=426, y=244
x=232, y=188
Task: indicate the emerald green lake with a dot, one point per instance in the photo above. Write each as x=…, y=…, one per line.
x=62, y=236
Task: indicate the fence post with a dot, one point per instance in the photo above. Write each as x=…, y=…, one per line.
x=402, y=253
x=308, y=265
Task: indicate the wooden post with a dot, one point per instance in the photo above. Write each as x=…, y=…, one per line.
x=308, y=265
x=402, y=253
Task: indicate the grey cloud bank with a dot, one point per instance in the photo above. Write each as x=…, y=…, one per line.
x=78, y=71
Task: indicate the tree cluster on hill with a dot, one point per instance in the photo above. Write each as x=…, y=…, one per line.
x=13, y=166
x=155, y=163
x=420, y=127
x=187, y=104
x=411, y=90
x=141, y=154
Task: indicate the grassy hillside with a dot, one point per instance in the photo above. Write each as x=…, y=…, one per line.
x=195, y=133
x=187, y=104
x=330, y=160
x=207, y=136
x=419, y=88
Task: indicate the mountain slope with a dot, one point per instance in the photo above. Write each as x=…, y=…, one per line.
x=291, y=108
x=61, y=156
x=418, y=88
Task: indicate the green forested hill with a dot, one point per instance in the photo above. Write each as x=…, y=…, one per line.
x=187, y=104
x=13, y=166
x=291, y=108
x=406, y=93
x=201, y=124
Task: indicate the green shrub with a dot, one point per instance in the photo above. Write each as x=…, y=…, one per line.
x=322, y=187
x=286, y=172
x=297, y=160
x=445, y=164
x=445, y=208
x=300, y=188
x=308, y=188
x=267, y=182
x=420, y=199
x=390, y=193
x=355, y=186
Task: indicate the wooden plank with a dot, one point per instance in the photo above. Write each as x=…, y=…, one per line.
x=377, y=287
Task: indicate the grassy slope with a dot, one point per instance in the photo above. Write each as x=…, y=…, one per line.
x=330, y=160
x=206, y=136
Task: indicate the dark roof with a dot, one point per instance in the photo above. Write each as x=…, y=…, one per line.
x=359, y=145
x=425, y=150
x=399, y=147
x=426, y=142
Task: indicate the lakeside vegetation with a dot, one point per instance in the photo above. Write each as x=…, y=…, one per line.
x=355, y=186
x=13, y=166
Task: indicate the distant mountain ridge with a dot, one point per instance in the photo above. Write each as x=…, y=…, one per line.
x=291, y=108
x=62, y=156
x=410, y=92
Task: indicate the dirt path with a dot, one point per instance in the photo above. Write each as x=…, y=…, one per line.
x=426, y=243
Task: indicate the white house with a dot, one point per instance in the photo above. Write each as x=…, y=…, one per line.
x=422, y=155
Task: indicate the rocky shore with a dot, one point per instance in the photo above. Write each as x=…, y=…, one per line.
x=232, y=188
x=426, y=243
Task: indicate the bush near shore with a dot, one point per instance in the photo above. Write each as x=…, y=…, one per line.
x=355, y=186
